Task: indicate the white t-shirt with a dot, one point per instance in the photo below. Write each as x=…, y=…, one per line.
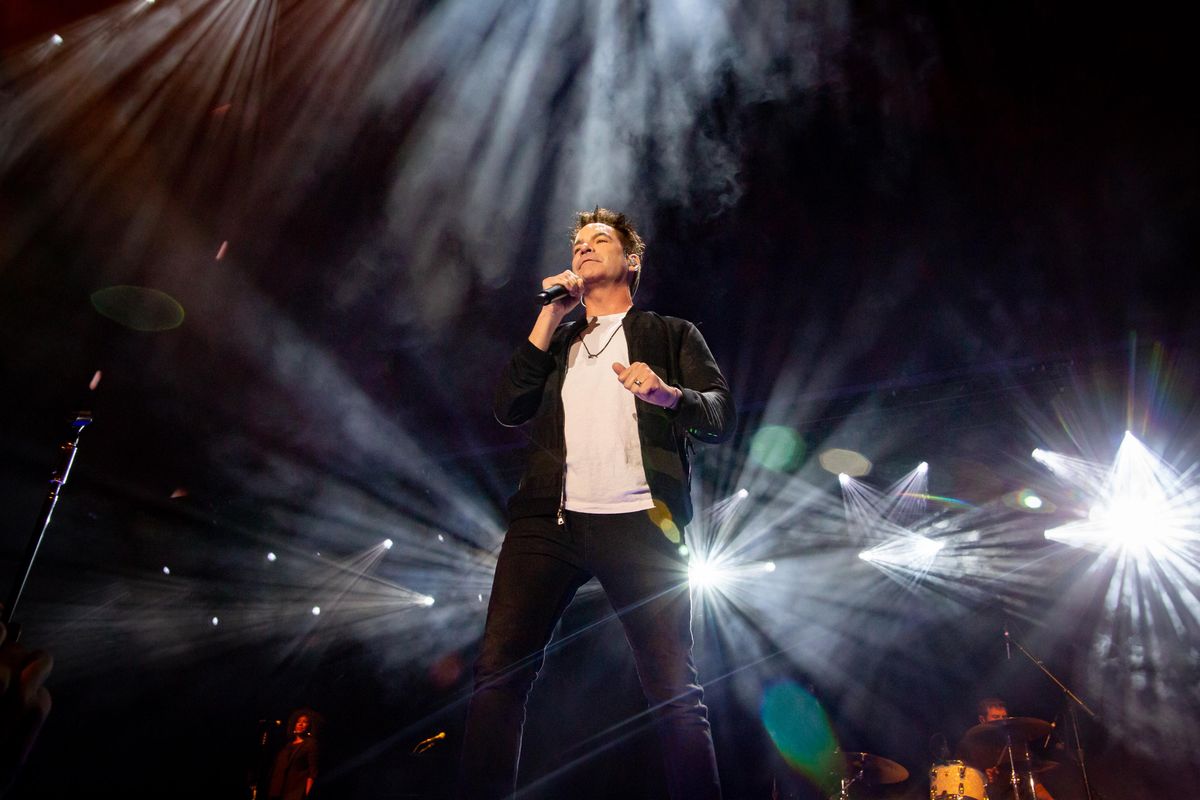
x=605, y=474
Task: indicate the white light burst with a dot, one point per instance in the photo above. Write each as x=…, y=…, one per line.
x=1142, y=506
x=1143, y=525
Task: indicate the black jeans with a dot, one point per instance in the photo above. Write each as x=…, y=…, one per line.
x=541, y=566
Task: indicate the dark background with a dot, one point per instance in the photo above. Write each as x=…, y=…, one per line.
x=968, y=231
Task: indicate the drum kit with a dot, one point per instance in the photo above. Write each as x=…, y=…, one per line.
x=1002, y=743
x=996, y=759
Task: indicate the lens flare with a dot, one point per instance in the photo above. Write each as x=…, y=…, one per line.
x=777, y=447
x=802, y=733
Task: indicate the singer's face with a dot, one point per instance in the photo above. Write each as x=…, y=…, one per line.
x=597, y=255
x=301, y=725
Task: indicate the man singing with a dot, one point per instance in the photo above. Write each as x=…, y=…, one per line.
x=613, y=399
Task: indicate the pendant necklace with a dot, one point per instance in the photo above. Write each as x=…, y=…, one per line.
x=596, y=354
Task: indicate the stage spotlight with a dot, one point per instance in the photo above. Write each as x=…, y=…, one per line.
x=316, y=611
x=843, y=477
x=441, y=538
x=387, y=544
x=166, y=570
x=705, y=575
x=216, y=621
x=683, y=550
x=427, y=600
x=56, y=40
x=769, y=566
x=1143, y=507
x=1051, y=461
x=743, y=493
x=923, y=467
x=271, y=556
x=1032, y=501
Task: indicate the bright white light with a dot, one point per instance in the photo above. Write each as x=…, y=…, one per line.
x=387, y=544
x=166, y=570
x=427, y=600
x=743, y=493
x=1032, y=501
x=769, y=566
x=271, y=556
x=1059, y=464
x=1142, y=507
x=923, y=467
x=908, y=552
x=216, y=621
x=316, y=611
x=441, y=538
x=56, y=40
x=705, y=575
x=683, y=550
x=843, y=477
x=928, y=546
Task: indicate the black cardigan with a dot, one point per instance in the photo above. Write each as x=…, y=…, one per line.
x=531, y=389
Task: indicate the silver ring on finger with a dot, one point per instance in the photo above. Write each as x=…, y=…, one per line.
x=637, y=381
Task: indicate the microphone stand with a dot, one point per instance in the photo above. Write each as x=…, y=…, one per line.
x=58, y=479
x=1073, y=700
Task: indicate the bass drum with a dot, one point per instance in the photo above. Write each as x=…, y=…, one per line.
x=954, y=780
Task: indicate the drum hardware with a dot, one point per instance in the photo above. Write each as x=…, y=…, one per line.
x=1005, y=740
x=1072, y=701
x=869, y=770
x=998, y=731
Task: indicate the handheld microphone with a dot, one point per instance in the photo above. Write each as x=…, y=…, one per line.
x=555, y=292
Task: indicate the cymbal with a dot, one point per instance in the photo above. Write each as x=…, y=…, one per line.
x=876, y=770
x=999, y=731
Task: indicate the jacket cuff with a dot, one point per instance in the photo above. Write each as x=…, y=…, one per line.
x=685, y=409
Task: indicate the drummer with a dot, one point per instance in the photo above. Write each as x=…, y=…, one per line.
x=993, y=761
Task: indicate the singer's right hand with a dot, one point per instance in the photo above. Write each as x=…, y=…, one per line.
x=573, y=284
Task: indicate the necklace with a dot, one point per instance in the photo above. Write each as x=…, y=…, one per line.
x=596, y=354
